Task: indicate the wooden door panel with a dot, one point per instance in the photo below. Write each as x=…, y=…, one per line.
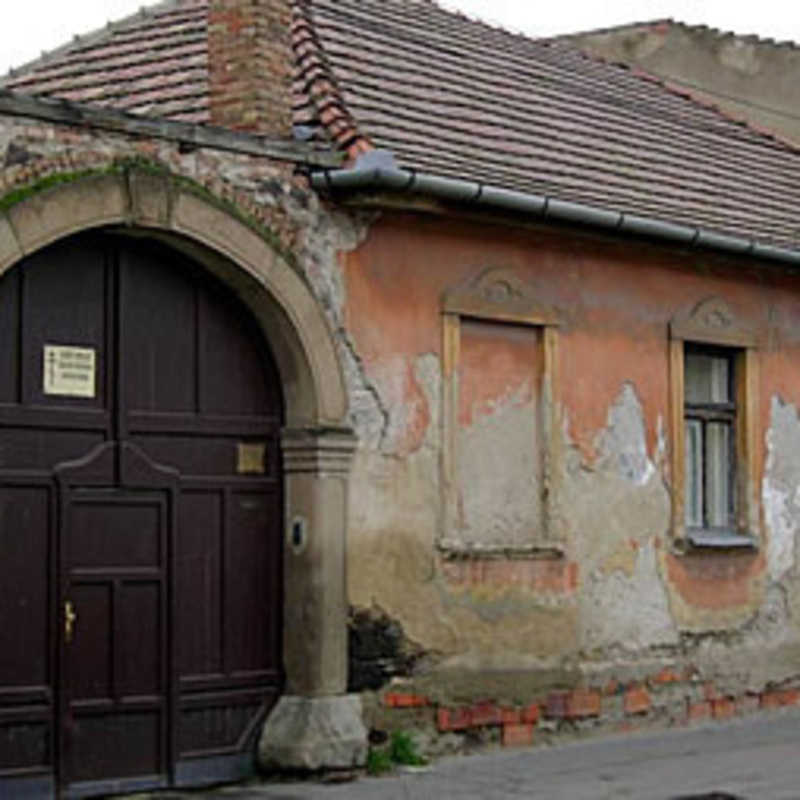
x=115, y=660
x=26, y=649
x=217, y=456
x=90, y=655
x=234, y=377
x=25, y=744
x=198, y=584
x=251, y=583
x=122, y=532
x=108, y=747
x=25, y=596
x=41, y=449
x=139, y=637
x=219, y=724
x=64, y=303
x=170, y=553
x=158, y=321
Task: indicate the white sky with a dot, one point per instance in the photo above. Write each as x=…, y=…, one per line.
x=30, y=26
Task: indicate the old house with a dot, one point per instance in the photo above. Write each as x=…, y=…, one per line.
x=358, y=319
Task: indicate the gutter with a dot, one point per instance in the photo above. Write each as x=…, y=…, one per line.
x=376, y=171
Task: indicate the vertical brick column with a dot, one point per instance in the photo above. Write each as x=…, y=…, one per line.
x=250, y=65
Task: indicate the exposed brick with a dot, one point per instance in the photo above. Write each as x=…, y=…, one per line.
x=401, y=700
x=699, y=711
x=778, y=698
x=556, y=706
x=531, y=714
x=248, y=65
x=511, y=716
x=723, y=708
x=583, y=703
x=666, y=675
x=517, y=735
x=453, y=719
x=637, y=700
x=483, y=714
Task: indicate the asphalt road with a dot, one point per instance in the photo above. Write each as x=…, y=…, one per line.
x=757, y=758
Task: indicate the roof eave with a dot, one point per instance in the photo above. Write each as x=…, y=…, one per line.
x=378, y=174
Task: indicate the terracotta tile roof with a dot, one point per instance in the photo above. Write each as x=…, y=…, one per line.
x=458, y=98
x=153, y=63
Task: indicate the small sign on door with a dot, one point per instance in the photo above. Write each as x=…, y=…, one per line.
x=69, y=371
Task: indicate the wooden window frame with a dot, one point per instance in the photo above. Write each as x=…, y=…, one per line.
x=712, y=323
x=498, y=296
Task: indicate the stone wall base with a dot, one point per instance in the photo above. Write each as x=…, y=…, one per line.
x=314, y=733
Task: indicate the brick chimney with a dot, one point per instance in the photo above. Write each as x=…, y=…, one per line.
x=250, y=65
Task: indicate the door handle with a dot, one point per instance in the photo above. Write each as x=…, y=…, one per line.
x=70, y=618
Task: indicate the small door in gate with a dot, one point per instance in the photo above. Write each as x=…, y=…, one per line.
x=115, y=539
x=114, y=616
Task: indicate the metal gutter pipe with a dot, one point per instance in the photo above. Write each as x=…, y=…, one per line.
x=476, y=194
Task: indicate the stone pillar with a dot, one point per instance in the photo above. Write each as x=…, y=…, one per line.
x=315, y=725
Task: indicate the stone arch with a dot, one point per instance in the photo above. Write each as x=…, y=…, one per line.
x=317, y=443
x=155, y=205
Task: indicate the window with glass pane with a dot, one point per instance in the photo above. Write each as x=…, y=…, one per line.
x=710, y=416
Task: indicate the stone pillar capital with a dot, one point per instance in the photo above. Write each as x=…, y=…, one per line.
x=318, y=451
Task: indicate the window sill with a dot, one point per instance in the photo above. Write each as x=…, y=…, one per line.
x=720, y=540
x=454, y=551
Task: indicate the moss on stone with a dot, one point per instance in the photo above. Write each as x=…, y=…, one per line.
x=125, y=166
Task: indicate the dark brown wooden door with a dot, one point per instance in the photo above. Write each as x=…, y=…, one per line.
x=140, y=506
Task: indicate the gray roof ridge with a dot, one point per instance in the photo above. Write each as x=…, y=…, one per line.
x=92, y=37
x=754, y=38
x=625, y=26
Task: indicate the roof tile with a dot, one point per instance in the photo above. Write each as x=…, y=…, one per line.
x=459, y=98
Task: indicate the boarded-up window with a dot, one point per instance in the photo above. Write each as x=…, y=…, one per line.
x=499, y=466
x=501, y=457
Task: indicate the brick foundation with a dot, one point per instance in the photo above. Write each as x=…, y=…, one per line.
x=666, y=699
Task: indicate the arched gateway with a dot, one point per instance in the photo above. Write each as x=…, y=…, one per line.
x=150, y=612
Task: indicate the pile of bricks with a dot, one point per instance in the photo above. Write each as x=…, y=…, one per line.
x=665, y=699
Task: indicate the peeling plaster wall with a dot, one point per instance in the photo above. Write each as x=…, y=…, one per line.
x=620, y=599
x=619, y=511
x=781, y=490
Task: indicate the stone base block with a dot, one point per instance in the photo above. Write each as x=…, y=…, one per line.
x=313, y=733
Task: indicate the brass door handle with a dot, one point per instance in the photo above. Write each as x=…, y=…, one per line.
x=70, y=618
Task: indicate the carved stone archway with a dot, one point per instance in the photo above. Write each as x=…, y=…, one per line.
x=315, y=724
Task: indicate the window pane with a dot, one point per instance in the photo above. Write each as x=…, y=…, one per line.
x=718, y=471
x=706, y=378
x=694, y=473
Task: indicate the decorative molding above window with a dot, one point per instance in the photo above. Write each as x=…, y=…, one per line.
x=499, y=295
x=712, y=322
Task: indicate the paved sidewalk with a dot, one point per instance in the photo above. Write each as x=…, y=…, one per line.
x=752, y=759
